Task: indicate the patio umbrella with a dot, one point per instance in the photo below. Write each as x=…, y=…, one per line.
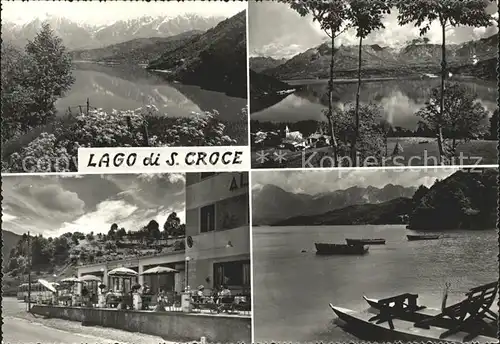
x=90, y=278
x=47, y=285
x=122, y=272
x=158, y=270
x=70, y=280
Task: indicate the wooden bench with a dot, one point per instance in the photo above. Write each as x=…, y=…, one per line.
x=470, y=314
x=396, y=307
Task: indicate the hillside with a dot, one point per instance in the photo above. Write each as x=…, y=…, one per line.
x=259, y=64
x=215, y=60
x=9, y=241
x=414, y=58
x=266, y=90
x=465, y=200
x=59, y=255
x=140, y=50
x=391, y=212
x=271, y=204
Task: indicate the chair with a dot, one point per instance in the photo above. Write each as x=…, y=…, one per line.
x=396, y=307
x=226, y=304
x=469, y=315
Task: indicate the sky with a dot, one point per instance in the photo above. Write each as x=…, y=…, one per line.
x=53, y=205
x=100, y=13
x=317, y=181
x=278, y=31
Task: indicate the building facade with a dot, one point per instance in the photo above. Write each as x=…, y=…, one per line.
x=217, y=243
x=217, y=231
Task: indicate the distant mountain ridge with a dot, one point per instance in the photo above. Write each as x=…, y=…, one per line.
x=78, y=36
x=258, y=64
x=139, y=50
x=215, y=60
x=272, y=204
x=385, y=61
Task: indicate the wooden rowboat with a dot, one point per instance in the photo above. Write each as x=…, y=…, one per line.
x=423, y=237
x=331, y=249
x=365, y=241
x=421, y=314
x=403, y=330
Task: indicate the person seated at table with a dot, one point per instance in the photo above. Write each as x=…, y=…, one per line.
x=225, y=292
x=200, y=291
x=145, y=289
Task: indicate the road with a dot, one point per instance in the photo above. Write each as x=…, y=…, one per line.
x=21, y=327
x=17, y=330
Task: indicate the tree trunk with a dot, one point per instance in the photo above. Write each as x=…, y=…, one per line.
x=330, y=106
x=356, y=114
x=441, y=108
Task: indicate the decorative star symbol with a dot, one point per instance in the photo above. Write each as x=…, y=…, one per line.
x=279, y=156
x=262, y=156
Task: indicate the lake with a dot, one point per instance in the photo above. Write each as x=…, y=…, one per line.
x=400, y=99
x=126, y=87
x=292, y=289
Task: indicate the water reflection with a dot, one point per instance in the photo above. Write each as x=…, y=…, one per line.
x=400, y=99
x=125, y=87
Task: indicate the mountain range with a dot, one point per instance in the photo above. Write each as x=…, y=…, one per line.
x=271, y=204
x=78, y=36
x=415, y=57
x=215, y=60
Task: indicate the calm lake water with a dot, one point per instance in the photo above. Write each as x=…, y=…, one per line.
x=125, y=87
x=292, y=289
x=400, y=99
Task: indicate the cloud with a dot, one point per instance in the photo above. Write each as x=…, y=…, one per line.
x=318, y=181
x=52, y=205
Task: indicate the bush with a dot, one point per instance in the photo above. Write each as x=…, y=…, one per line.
x=58, y=151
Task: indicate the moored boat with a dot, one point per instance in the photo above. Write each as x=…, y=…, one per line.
x=365, y=241
x=423, y=237
x=403, y=330
x=426, y=313
x=330, y=249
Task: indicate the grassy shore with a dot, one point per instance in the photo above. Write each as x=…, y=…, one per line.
x=416, y=150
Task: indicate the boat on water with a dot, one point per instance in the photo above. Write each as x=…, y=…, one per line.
x=331, y=249
x=423, y=237
x=423, y=313
x=401, y=318
x=403, y=330
x=365, y=241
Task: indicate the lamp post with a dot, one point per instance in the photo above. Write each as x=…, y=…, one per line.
x=186, y=287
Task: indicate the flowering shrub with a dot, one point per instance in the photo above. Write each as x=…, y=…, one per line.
x=57, y=151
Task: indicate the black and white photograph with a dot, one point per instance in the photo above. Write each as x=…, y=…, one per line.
x=150, y=258
x=406, y=255
x=119, y=74
x=355, y=83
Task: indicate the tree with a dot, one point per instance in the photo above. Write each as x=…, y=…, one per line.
x=365, y=16
x=172, y=225
x=371, y=141
x=16, y=97
x=112, y=231
x=121, y=233
x=331, y=15
x=463, y=118
x=494, y=125
x=153, y=230
x=448, y=13
x=386, y=129
x=49, y=72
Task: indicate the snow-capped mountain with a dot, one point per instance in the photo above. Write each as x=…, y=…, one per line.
x=83, y=36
